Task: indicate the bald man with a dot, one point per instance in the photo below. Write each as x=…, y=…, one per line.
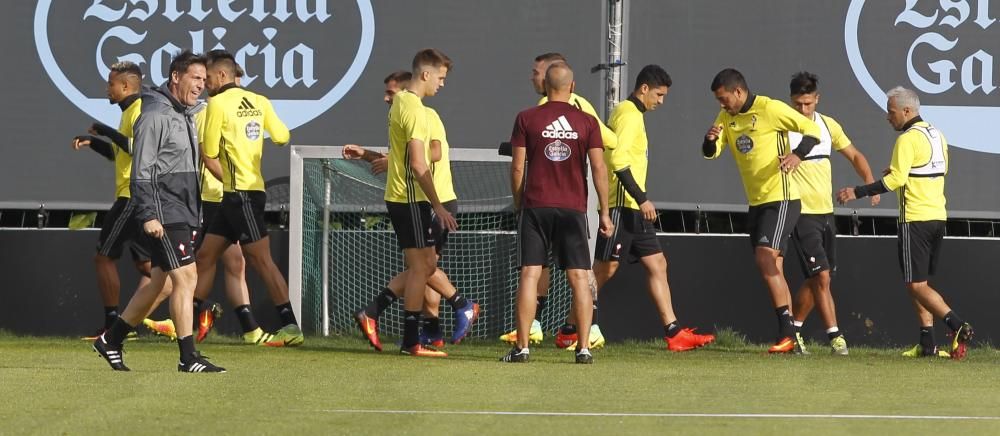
x=551, y=195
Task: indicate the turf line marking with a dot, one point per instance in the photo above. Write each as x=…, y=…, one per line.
x=665, y=415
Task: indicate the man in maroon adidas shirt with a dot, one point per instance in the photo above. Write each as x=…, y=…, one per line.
x=555, y=140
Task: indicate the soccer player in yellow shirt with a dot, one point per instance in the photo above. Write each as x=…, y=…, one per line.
x=235, y=122
x=917, y=171
x=754, y=128
x=410, y=195
x=815, y=234
x=466, y=311
x=124, y=86
x=634, y=237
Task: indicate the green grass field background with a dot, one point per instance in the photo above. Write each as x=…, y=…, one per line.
x=60, y=386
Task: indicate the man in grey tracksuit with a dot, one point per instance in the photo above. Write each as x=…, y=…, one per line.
x=165, y=187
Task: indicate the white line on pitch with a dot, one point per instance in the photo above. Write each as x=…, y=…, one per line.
x=663, y=415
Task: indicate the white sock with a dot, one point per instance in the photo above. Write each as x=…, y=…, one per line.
x=797, y=323
x=833, y=329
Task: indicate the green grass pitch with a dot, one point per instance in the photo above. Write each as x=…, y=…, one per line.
x=339, y=386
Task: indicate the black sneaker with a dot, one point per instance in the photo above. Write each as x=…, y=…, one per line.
x=584, y=356
x=111, y=353
x=198, y=363
x=516, y=355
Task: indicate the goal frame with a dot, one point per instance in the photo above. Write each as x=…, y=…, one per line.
x=298, y=154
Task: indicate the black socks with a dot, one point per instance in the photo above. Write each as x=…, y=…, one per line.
x=110, y=315
x=381, y=303
x=286, y=314
x=186, y=344
x=785, y=327
x=411, y=329
x=672, y=329
x=247, y=321
x=118, y=331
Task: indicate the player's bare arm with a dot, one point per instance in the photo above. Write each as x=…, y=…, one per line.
x=598, y=173
x=861, y=167
x=517, y=175
x=422, y=174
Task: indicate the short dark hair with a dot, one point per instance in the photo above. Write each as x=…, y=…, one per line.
x=653, y=76
x=239, y=71
x=550, y=57
x=183, y=60
x=730, y=79
x=398, y=77
x=431, y=57
x=127, y=67
x=803, y=82
x=222, y=59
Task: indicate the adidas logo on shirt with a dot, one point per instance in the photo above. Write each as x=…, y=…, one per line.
x=246, y=109
x=560, y=129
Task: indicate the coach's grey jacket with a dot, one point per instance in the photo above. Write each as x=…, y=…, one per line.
x=165, y=178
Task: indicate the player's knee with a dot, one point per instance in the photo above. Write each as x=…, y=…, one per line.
x=101, y=260
x=234, y=264
x=144, y=268
x=916, y=287
x=823, y=280
x=767, y=260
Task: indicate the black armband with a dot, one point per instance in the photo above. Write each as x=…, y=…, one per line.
x=99, y=146
x=120, y=140
x=506, y=149
x=628, y=181
x=805, y=146
x=708, y=147
x=876, y=188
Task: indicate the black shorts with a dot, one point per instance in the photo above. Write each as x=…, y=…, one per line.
x=241, y=217
x=414, y=224
x=174, y=250
x=119, y=227
x=771, y=224
x=442, y=232
x=633, y=236
x=814, y=240
x=209, y=210
x=563, y=231
x=919, y=249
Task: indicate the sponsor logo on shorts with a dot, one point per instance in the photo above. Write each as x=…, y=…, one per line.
x=557, y=151
x=945, y=51
x=764, y=240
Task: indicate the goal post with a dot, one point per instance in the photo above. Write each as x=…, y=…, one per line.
x=342, y=249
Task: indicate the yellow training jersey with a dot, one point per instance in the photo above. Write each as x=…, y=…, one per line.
x=123, y=160
x=211, y=188
x=407, y=120
x=235, y=122
x=632, y=152
x=756, y=137
x=608, y=136
x=916, y=173
x=442, y=168
x=814, y=176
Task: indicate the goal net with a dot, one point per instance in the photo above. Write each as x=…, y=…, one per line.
x=343, y=250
